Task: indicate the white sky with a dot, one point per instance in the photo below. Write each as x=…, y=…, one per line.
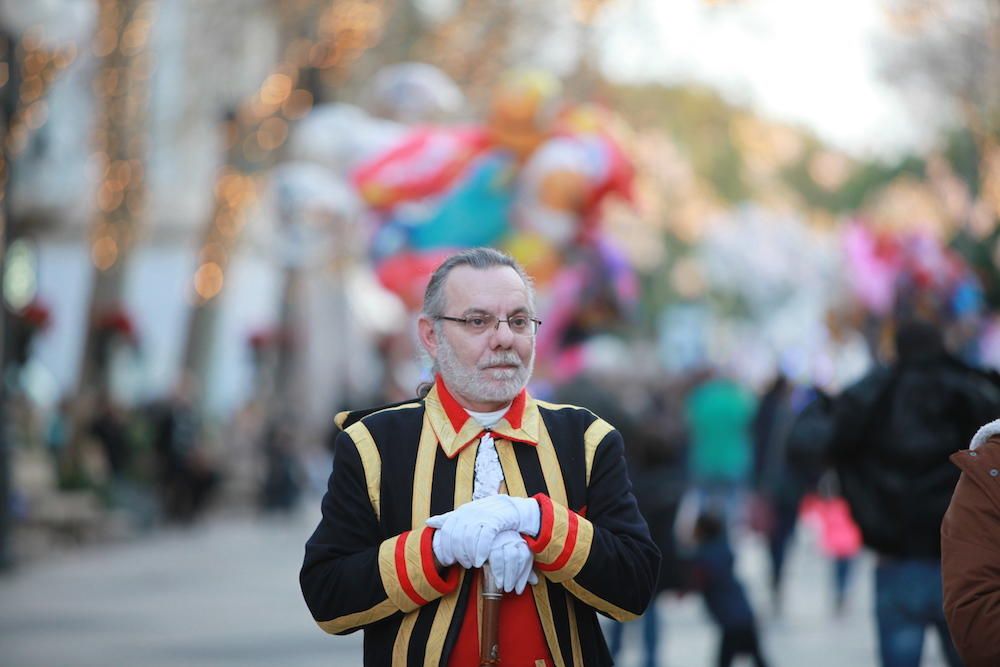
x=810, y=62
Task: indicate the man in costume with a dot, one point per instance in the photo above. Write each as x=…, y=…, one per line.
x=477, y=472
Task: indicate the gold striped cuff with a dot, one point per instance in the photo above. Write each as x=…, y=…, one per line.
x=409, y=576
x=564, y=540
x=382, y=610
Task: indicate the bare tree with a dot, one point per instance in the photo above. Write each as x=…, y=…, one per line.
x=122, y=86
x=482, y=38
x=319, y=40
x=949, y=51
x=28, y=68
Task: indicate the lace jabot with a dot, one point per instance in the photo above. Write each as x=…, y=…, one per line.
x=489, y=474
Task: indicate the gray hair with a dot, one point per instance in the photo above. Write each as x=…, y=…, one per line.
x=478, y=258
x=434, y=300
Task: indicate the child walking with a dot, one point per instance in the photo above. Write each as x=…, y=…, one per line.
x=724, y=596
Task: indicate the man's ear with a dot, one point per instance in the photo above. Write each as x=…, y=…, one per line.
x=428, y=336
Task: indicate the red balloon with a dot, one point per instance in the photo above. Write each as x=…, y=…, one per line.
x=426, y=163
x=407, y=274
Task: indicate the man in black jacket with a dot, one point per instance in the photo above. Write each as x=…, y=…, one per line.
x=893, y=433
x=478, y=472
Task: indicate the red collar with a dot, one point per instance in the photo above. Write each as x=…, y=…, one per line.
x=455, y=428
x=457, y=415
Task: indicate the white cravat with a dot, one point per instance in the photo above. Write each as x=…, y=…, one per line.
x=489, y=474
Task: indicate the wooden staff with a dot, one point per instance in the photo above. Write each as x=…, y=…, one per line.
x=489, y=645
x=489, y=640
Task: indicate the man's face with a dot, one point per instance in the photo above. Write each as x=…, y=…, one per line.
x=483, y=371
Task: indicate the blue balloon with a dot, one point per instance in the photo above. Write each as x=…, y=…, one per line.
x=475, y=212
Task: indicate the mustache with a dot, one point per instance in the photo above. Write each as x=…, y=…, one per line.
x=509, y=359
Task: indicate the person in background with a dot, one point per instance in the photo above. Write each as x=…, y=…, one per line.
x=807, y=450
x=724, y=596
x=109, y=428
x=283, y=477
x=970, y=551
x=841, y=542
x=58, y=432
x=188, y=478
x=719, y=413
x=893, y=432
x=774, y=507
x=839, y=537
x=477, y=472
x=651, y=425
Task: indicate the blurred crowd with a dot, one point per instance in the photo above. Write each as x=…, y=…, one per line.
x=712, y=460
x=712, y=457
x=96, y=469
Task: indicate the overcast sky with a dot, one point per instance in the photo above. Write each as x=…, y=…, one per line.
x=805, y=61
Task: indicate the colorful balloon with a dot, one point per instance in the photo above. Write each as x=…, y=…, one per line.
x=423, y=165
x=407, y=274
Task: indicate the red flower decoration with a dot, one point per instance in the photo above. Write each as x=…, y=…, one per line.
x=263, y=339
x=259, y=340
x=116, y=321
x=36, y=315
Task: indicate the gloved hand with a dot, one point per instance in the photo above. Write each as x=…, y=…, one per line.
x=465, y=534
x=510, y=562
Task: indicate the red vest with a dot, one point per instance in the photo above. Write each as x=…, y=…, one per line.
x=522, y=642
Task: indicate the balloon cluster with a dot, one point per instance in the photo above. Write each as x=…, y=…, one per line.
x=909, y=274
x=530, y=179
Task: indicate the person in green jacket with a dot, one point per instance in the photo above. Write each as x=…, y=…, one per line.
x=719, y=413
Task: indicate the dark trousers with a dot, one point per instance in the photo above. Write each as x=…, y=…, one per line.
x=841, y=577
x=739, y=641
x=650, y=632
x=785, y=517
x=908, y=599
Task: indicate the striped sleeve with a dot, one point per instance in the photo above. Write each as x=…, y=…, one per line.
x=563, y=542
x=352, y=574
x=608, y=559
x=409, y=576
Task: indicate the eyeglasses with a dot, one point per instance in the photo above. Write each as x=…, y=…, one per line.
x=522, y=325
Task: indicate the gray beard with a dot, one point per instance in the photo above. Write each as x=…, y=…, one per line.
x=500, y=386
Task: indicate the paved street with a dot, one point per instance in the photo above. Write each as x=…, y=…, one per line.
x=226, y=593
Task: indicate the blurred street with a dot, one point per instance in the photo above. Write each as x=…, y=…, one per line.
x=763, y=238
x=226, y=593
x=223, y=593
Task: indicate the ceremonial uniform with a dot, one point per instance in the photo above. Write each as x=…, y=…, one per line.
x=369, y=564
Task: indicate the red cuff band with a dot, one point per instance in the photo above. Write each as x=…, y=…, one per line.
x=443, y=585
x=546, y=523
x=404, y=576
x=567, y=550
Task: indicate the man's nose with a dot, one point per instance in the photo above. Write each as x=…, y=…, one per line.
x=502, y=336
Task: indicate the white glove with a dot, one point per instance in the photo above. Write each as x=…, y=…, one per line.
x=466, y=533
x=510, y=562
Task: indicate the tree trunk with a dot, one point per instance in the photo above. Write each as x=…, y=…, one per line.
x=122, y=87
x=9, y=102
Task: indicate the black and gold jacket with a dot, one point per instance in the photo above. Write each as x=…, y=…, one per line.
x=369, y=564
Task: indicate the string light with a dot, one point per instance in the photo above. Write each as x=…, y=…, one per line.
x=104, y=252
x=584, y=11
x=298, y=104
x=345, y=29
x=465, y=45
x=208, y=280
x=272, y=133
x=121, y=39
x=276, y=89
x=37, y=69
